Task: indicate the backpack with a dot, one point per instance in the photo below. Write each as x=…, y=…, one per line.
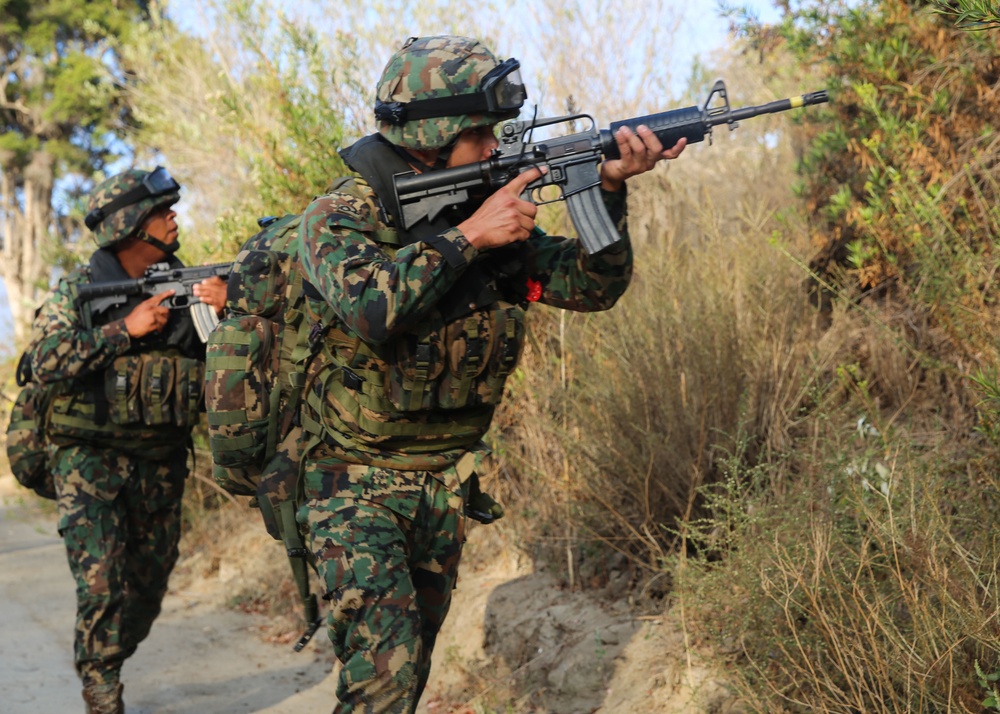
x=257, y=359
x=26, y=433
x=253, y=357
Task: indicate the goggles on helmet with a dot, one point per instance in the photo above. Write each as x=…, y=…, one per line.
x=157, y=182
x=501, y=92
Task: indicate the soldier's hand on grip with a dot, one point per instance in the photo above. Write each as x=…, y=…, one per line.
x=505, y=217
x=148, y=316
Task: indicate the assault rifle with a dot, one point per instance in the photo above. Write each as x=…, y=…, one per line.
x=572, y=162
x=159, y=278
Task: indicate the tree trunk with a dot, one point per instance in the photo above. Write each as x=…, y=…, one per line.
x=26, y=215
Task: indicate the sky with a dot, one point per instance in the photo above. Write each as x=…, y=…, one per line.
x=704, y=32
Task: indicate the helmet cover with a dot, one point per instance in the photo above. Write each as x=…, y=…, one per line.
x=432, y=68
x=125, y=221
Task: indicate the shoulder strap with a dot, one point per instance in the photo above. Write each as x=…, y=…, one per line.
x=374, y=159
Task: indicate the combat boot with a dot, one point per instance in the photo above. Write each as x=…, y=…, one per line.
x=104, y=698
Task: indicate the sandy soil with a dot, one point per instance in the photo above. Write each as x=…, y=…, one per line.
x=515, y=641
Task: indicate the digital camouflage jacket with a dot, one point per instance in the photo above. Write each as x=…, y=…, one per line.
x=429, y=329
x=140, y=396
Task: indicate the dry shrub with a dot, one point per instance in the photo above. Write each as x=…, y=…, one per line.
x=619, y=417
x=857, y=570
x=869, y=585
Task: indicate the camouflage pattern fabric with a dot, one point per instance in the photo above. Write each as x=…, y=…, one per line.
x=125, y=221
x=118, y=487
x=257, y=356
x=279, y=480
x=432, y=67
x=385, y=514
x=119, y=517
x=64, y=349
x=387, y=546
x=386, y=301
x=26, y=440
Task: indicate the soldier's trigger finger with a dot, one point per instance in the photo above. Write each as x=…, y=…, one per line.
x=520, y=182
x=160, y=297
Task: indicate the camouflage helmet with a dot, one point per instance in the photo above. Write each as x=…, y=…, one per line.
x=118, y=206
x=435, y=87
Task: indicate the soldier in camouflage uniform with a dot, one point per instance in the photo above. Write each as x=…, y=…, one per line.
x=129, y=390
x=430, y=322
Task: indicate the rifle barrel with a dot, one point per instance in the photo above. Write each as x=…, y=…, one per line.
x=781, y=105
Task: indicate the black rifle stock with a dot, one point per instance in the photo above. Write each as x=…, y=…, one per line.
x=159, y=278
x=572, y=163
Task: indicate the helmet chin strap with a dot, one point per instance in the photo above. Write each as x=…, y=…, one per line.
x=157, y=243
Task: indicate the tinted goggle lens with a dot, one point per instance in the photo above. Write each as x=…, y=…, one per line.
x=158, y=181
x=503, y=87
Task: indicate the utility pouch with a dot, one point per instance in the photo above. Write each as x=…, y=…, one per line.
x=241, y=373
x=469, y=343
x=157, y=390
x=188, y=389
x=263, y=284
x=484, y=348
x=418, y=362
x=121, y=390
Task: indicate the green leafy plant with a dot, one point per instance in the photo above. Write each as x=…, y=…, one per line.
x=970, y=14
x=989, y=683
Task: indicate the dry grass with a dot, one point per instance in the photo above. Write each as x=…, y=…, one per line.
x=869, y=585
x=626, y=413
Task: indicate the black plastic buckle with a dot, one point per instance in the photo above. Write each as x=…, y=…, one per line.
x=350, y=380
x=392, y=112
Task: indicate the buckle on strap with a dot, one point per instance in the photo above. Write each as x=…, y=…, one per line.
x=422, y=360
x=351, y=380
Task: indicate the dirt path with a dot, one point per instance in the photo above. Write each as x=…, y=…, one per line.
x=514, y=642
x=198, y=659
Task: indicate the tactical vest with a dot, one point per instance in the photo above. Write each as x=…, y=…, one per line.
x=148, y=400
x=427, y=395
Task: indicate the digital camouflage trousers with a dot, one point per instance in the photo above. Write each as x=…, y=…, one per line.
x=387, y=545
x=119, y=517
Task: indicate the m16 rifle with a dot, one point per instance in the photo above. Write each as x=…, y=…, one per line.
x=159, y=278
x=572, y=162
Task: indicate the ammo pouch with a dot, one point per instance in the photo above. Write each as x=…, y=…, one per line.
x=142, y=403
x=153, y=390
x=464, y=363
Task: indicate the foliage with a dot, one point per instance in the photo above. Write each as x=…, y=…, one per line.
x=988, y=683
x=61, y=116
x=246, y=125
x=864, y=586
x=987, y=383
x=913, y=99
x=57, y=97
x=868, y=539
x=971, y=14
